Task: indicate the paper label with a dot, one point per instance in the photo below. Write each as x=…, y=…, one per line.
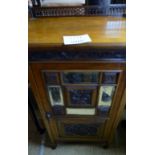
x=79, y=39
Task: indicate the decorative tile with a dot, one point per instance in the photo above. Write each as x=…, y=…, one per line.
x=51, y=78
x=81, y=129
x=58, y=110
x=80, y=97
x=103, y=110
x=110, y=78
x=80, y=77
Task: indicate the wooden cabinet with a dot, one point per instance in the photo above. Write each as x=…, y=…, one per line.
x=79, y=89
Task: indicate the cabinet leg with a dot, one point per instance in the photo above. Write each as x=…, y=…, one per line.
x=51, y=145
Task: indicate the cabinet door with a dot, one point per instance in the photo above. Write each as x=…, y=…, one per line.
x=82, y=99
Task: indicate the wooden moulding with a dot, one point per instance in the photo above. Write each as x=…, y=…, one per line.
x=72, y=54
x=95, y=10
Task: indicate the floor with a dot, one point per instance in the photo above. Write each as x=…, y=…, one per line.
x=36, y=145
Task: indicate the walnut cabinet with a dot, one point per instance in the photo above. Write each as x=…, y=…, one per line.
x=80, y=90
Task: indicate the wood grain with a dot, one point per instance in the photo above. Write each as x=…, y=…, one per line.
x=37, y=97
x=102, y=30
x=46, y=35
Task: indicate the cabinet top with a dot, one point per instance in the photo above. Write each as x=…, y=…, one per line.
x=104, y=31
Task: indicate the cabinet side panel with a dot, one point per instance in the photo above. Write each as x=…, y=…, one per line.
x=37, y=97
x=116, y=110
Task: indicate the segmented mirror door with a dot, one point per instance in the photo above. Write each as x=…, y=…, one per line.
x=79, y=99
x=81, y=92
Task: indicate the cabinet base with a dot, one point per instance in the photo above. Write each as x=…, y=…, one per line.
x=53, y=147
x=105, y=145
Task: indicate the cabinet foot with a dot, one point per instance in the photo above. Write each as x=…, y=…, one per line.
x=105, y=145
x=53, y=147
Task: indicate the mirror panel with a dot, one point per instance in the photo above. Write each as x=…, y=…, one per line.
x=55, y=95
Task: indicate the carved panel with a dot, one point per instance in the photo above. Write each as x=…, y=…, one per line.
x=81, y=129
x=110, y=77
x=103, y=110
x=51, y=78
x=58, y=110
x=81, y=96
x=80, y=77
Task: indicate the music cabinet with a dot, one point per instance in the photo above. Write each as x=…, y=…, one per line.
x=80, y=89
